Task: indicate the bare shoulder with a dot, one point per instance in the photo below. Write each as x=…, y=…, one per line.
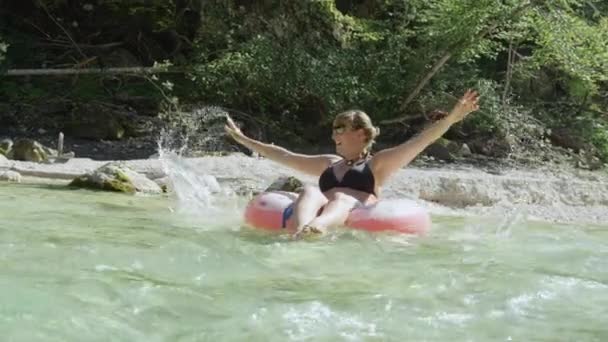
x=312, y=164
x=380, y=158
x=384, y=163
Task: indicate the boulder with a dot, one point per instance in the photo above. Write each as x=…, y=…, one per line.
x=566, y=138
x=443, y=149
x=496, y=147
x=30, y=150
x=116, y=176
x=95, y=121
x=464, y=151
x=290, y=184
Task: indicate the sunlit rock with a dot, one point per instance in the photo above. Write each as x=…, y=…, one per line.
x=31, y=150
x=116, y=176
x=459, y=193
x=5, y=146
x=290, y=184
x=465, y=151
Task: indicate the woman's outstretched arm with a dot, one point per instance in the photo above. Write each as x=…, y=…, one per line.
x=388, y=161
x=309, y=164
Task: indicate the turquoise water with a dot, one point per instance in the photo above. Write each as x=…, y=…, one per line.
x=80, y=265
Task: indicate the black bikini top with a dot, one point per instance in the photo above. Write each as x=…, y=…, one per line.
x=358, y=177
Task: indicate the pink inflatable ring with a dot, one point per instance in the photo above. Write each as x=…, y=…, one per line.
x=272, y=211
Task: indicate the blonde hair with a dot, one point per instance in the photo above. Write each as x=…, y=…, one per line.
x=358, y=119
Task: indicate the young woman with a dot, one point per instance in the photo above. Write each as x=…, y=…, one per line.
x=352, y=176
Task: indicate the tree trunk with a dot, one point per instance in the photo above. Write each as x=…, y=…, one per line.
x=436, y=67
x=126, y=70
x=510, y=61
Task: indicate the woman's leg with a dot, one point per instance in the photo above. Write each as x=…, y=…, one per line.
x=306, y=206
x=335, y=213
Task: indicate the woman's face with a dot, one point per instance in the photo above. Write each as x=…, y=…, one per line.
x=348, y=141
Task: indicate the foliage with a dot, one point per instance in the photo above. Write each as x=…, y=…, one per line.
x=458, y=26
x=156, y=15
x=357, y=62
x=574, y=47
x=303, y=61
x=599, y=138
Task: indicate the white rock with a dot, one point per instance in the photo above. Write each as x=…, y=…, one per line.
x=3, y=161
x=108, y=172
x=465, y=150
x=10, y=176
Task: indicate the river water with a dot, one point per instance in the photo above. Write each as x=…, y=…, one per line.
x=81, y=265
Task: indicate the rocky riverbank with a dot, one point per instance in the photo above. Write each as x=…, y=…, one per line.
x=546, y=194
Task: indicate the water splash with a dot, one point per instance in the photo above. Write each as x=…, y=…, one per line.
x=195, y=193
x=512, y=219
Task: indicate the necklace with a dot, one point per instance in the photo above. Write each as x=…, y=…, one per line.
x=351, y=162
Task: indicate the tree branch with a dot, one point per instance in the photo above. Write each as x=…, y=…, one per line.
x=72, y=71
x=62, y=28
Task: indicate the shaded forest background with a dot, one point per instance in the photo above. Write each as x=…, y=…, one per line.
x=285, y=68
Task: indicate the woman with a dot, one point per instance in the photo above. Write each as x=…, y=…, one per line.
x=353, y=177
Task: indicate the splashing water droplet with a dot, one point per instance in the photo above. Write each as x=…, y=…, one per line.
x=195, y=192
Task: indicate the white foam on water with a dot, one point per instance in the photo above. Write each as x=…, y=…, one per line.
x=451, y=318
x=308, y=321
x=552, y=288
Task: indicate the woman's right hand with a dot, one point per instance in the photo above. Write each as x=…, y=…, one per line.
x=468, y=103
x=233, y=130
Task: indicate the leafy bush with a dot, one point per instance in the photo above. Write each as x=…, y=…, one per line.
x=599, y=139
x=299, y=65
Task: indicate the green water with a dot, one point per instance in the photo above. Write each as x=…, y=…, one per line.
x=91, y=266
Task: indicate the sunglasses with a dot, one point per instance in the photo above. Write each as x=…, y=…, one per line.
x=339, y=129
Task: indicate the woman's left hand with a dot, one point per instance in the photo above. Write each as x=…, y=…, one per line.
x=468, y=103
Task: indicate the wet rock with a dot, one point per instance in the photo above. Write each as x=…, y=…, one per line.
x=116, y=176
x=246, y=190
x=31, y=150
x=290, y=184
x=10, y=176
x=164, y=183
